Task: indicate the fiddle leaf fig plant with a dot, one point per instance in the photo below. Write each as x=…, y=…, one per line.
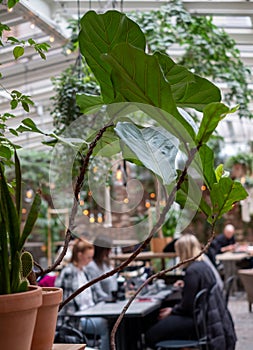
x=132, y=82
x=115, y=49
x=15, y=263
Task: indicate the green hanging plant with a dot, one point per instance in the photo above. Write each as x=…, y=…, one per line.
x=208, y=50
x=72, y=81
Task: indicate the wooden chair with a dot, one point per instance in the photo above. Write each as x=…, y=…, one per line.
x=246, y=276
x=199, y=317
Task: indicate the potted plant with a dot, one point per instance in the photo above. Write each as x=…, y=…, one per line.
x=19, y=302
x=30, y=310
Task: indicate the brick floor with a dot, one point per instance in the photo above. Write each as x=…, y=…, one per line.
x=243, y=321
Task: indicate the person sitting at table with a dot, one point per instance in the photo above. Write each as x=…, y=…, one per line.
x=101, y=264
x=224, y=242
x=72, y=277
x=170, y=247
x=177, y=322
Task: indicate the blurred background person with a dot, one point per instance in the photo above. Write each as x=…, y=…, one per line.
x=101, y=264
x=224, y=242
x=72, y=277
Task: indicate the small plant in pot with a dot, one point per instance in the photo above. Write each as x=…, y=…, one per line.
x=19, y=300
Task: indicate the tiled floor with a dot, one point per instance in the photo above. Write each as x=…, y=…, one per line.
x=243, y=320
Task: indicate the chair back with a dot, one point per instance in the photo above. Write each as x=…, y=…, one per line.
x=227, y=288
x=200, y=316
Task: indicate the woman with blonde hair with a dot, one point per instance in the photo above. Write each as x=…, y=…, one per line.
x=177, y=322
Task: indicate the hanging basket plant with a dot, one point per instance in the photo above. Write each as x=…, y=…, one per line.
x=75, y=79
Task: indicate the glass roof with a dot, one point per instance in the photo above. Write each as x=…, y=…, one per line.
x=47, y=20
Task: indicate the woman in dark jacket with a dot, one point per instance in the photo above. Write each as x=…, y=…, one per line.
x=177, y=322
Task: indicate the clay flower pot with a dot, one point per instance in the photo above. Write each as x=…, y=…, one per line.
x=18, y=313
x=43, y=336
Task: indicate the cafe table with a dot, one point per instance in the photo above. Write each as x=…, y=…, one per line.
x=129, y=332
x=144, y=256
x=69, y=347
x=229, y=260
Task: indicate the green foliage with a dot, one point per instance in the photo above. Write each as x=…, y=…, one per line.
x=208, y=50
x=158, y=86
x=170, y=223
x=70, y=83
x=245, y=159
x=17, y=98
x=12, y=239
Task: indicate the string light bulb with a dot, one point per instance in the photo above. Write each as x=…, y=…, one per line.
x=92, y=218
x=86, y=212
x=147, y=204
x=100, y=218
x=119, y=174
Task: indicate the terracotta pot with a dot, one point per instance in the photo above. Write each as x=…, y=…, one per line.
x=43, y=336
x=18, y=313
x=158, y=243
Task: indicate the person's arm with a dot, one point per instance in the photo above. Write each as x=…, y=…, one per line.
x=98, y=293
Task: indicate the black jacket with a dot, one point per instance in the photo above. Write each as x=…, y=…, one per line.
x=220, y=326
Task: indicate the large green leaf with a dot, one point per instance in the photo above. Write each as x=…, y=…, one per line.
x=206, y=165
x=189, y=90
x=88, y=102
x=99, y=34
x=108, y=145
x=189, y=196
x=4, y=259
x=18, y=183
x=9, y=213
x=212, y=115
x=223, y=195
x=139, y=78
x=154, y=147
x=31, y=219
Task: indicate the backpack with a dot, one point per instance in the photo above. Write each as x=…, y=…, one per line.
x=68, y=334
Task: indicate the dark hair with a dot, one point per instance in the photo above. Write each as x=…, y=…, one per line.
x=102, y=248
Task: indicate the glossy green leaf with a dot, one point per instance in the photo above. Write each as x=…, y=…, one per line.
x=140, y=79
x=223, y=195
x=9, y=214
x=18, y=184
x=188, y=89
x=99, y=34
x=29, y=125
x=212, y=115
x=5, y=287
x=87, y=102
x=31, y=219
x=219, y=172
x=5, y=152
x=205, y=165
x=18, y=51
x=189, y=196
x=154, y=147
x=108, y=145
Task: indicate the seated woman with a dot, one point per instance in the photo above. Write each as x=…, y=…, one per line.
x=74, y=276
x=101, y=264
x=177, y=322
